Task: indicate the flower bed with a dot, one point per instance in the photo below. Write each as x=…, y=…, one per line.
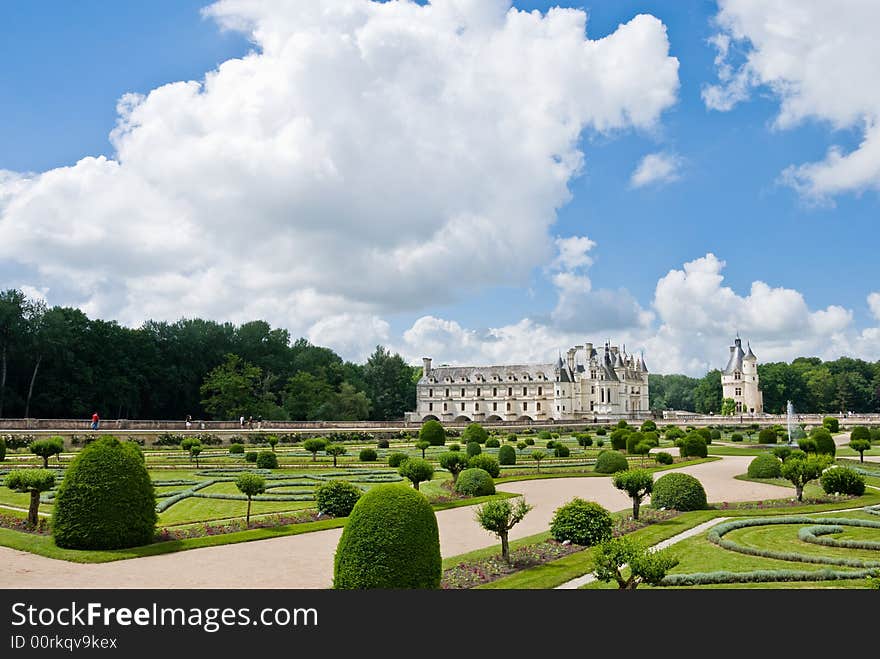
x=9, y=521
x=234, y=525
x=783, y=503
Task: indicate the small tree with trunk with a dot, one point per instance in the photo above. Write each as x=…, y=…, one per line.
x=860, y=446
x=46, y=448
x=422, y=446
x=250, y=485
x=537, y=456
x=314, y=445
x=335, y=450
x=35, y=481
x=416, y=470
x=194, y=451
x=273, y=441
x=614, y=556
x=637, y=483
x=189, y=444
x=801, y=471
x=499, y=517
x=453, y=462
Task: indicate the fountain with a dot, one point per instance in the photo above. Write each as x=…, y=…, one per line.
x=789, y=413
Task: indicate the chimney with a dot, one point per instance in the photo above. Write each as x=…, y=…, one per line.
x=732, y=348
x=589, y=348
x=426, y=366
x=571, y=352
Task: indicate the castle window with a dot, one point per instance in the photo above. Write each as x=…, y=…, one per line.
x=510, y=391
x=462, y=407
x=739, y=391
x=592, y=405
x=476, y=407
x=447, y=393
x=593, y=389
x=494, y=407
x=540, y=391
x=430, y=407
x=736, y=375
x=525, y=406
x=430, y=393
x=508, y=407
x=478, y=391
x=494, y=391
x=539, y=407
x=445, y=407
x=462, y=393
x=525, y=391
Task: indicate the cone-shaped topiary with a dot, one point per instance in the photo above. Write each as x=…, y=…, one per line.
x=391, y=540
x=106, y=500
x=824, y=442
x=678, y=491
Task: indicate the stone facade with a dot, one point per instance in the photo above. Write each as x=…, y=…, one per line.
x=588, y=384
x=739, y=380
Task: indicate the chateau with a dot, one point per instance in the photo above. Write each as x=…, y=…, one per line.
x=589, y=384
x=739, y=380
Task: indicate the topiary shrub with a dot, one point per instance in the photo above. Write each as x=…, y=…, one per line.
x=473, y=448
x=664, y=458
x=545, y=434
x=648, y=426
x=475, y=482
x=106, y=500
x=530, y=441
x=250, y=456
x=474, y=433
x=368, y=455
x=679, y=491
x=390, y=541
x=601, y=431
x=824, y=442
x=433, y=433
x=337, y=498
x=622, y=424
x=416, y=470
x=632, y=440
x=692, y=446
x=736, y=437
x=454, y=447
x=767, y=436
x=875, y=439
x=551, y=444
x=453, y=462
x=610, y=462
x=383, y=443
x=267, y=460
x=46, y=448
x=674, y=432
x=831, y=423
x=618, y=439
x=561, y=450
x=651, y=438
x=507, y=455
x=396, y=459
x=492, y=443
x=765, y=466
x=236, y=449
x=715, y=434
x=512, y=437
x=582, y=522
x=2, y=449
x=706, y=433
x=600, y=442
x=860, y=432
x=487, y=463
x=842, y=480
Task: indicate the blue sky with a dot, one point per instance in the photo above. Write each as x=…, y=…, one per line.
x=67, y=65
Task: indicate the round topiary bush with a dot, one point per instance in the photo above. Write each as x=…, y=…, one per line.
x=706, y=433
x=530, y=441
x=492, y=443
x=475, y=433
x=487, y=463
x=664, y=458
x=767, y=436
x=561, y=450
x=454, y=447
x=545, y=434
x=507, y=455
x=843, y=480
x=860, y=432
x=824, y=441
x=106, y=500
x=473, y=448
x=368, y=455
x=250, y=456
x=267, y=460
x=395, y=459
x=618, y=439
x=610, y=462
x=512, y=437
x=582, y=522
x=715, y=434
x=383, y=443
x=475, y=482
x=736, y=437
x=765, y=466
x=832, y=423
x=600, y=442
x=337, y=498
x=433, y=433
x=551, y=444
x=692, y=446
x=648, y=426
x=679, y=491
x=236, y=449
x=390, y=541
x=601, y=431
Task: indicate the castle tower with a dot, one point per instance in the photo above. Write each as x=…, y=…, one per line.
x=739, y=380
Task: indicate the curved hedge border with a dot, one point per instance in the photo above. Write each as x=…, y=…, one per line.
x=814, y=534
x=758, y=576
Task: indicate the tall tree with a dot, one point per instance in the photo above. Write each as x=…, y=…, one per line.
x=13, y=305
x=708, y=393
x=232, y=389
x=390, y=386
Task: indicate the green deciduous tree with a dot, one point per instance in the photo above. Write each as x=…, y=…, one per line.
x=537, y=456
x=250, y=485
x=314, y=445
x=35, y=482
x=46, y=448
x=728, y=407
x=416, y=470
x=234, y=388
x=499, y=517
x=335, y=450
x=860, y=446
x=801, y=471
x=453, y=462
x=645, y=566
x=637, y=483
x=422, y=446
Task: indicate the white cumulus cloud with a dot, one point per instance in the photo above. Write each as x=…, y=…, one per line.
x=656, y=168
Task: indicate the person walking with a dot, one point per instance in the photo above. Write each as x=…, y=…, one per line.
x=95, y=421
x=189, y=420
x=241, y=421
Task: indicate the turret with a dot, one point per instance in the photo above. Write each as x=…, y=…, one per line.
x=426, y=367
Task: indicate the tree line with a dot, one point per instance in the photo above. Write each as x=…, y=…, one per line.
x=842, y=385
x=58, y=363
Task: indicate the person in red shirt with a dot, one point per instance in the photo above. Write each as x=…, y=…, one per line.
x=95, y=421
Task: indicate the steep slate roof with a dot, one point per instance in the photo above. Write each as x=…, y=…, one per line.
x=520, y=372
x=750, y=356
x=735, y=363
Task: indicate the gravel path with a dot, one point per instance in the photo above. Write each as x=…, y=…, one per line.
x=306, y=561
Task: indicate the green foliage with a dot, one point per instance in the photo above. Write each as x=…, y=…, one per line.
x=487, y=463
x=396, y=459
x=236, y=449
x=824, y=441
x=46, y=448
x=622, y=424
x=728, y=407
x=382, y=443
x=314, y=445
x=801, y=471
x=492, y=443
x=842, y=480
x=2, y=449
x=674, y=432
x=600, y=442
x=544, y=434
x=610, y=462
x=875, y=435
x=416, y=470
x=648, y=426
x=499, y=516
x=678, y=491
x=250, y=456
x=530, y=441
x=521, y=446
x=651, y=438
x=551, y=444
x=267, y=460
x=618, y=439
x=584, y=439
x=473, y=448
x=432, y=432
x=368, y=455
x=337, y=497
x=706, y=434
x=664, y=458
x=235, y=388
x=601, y=431
x=390, y=541
x=582, y=522
x=860, y=432
x=250, y=484
x=474, y=433
x=715, y=434
x=561, y=450
x=860, y=446
x=537, y=456
x=475, y=482
x=512, y=437
x=736, y=437
x=637, y=483
x=454, y=447
x=645, y=566
x=33, y=481
x=453, y=462
x=831, y=423
x=807, y=445
x=767, y=436
x=782, y=452
x=422, y=446
x=106, y=500
x=765, y=466
x=506, y=455
x=693, y=445
x=632, y=440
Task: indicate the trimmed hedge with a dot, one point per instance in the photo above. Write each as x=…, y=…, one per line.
x=842, y=480
x=250, y=456
x=767, y=436
x=236, y=449
x=492, y=443
x=824, y=441
x=765, y=466
x=762, y=576
x=475, y=433
x=582, y=522
x=106, y=500
x=473, y=448
x=475, y=482
x=433, y=433
x=507, y=455
x=693, y=445
x=337, y=498
x=610, y=462
x=561, y=450
x=390, y=541
x=486, y=462
x=832, y=423
x=664, y=458
x=678, y=491
x=860, y=432
x=267, y=460
x=396, y=459
x=736, y=437
x=368, y=455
